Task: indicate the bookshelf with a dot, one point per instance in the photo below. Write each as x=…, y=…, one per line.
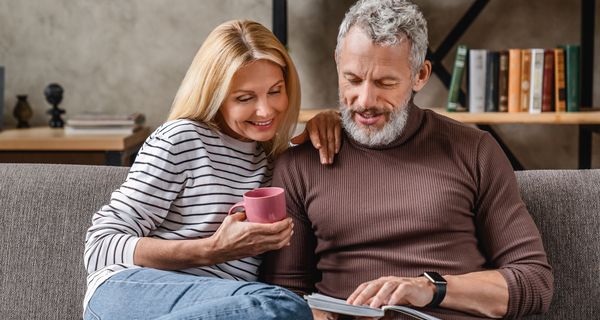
x=588, y=122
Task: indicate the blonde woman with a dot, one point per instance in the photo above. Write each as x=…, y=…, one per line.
x=164, y=247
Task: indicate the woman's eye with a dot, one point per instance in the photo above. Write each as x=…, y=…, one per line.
x=275, y=91
x=244, y=98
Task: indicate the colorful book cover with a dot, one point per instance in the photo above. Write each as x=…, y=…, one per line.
x=503, y=82
x=560, y=94
x=535, y=80
x=477, y=66
x=572, y=59
x=548, y=82
x=491, y=81
x=456, y=81
x=514, y=80
x=525, y=77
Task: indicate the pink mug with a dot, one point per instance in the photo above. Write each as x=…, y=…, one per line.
x=263, y=205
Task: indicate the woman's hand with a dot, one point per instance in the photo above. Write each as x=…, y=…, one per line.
x=324, y=131
x=236, y=238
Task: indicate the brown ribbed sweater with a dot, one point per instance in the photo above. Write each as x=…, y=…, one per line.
x=443, y=197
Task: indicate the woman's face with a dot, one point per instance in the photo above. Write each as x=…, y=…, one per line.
x=256, y=103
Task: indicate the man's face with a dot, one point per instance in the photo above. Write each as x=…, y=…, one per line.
x=376, y=86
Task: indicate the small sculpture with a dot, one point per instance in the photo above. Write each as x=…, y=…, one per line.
x=22, y=111
x=54, y=95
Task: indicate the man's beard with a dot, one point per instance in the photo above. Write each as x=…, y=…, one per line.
x=371, y=135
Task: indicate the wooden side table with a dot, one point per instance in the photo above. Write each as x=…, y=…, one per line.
x=51, y=145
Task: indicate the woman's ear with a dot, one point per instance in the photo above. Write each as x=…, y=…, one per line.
x=422, y=76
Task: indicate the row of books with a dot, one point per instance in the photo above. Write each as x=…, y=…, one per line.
x=517, y=80
x=102, y=123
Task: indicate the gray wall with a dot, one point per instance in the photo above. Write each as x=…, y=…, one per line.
x=125, y=56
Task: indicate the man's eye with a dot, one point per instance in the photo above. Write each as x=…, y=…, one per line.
x=353, y=80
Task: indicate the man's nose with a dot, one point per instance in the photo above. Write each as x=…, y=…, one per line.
x=367, y=95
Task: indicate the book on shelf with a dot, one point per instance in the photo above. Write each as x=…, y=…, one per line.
x=503, y=81
x=548, y=81
x=491, y=81
x=560, y=104
x=535, y=80
x=104, y=119
x=514, y=80
x=572, y=77
x=326, y=303
x=456, y=80
x=525, y=77
x=477, y=68
x=101, y=130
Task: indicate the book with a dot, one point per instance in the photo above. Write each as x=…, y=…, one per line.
x=104, y=119
x=525, y=77
x=548, y=82
x=108, y=130
x=514, y=80
x=491, y=81
x=477, y=67
x=326, y=303
x=535, y=80
x=559, y=80
x=456, y=80
x=503, y=81
x=572, y=77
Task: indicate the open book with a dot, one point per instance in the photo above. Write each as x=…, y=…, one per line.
x=326, y=303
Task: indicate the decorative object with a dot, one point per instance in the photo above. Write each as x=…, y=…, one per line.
x=22, y=111
x=54, y=95
x=1, y=97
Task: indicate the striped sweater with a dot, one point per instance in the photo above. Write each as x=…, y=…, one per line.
x=184, y=180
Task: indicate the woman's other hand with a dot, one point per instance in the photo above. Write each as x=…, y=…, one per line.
x=324, y=131
x=236, y=238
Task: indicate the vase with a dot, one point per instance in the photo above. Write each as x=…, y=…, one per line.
x=22, y=111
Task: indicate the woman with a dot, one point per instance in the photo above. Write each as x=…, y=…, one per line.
x=233, y=114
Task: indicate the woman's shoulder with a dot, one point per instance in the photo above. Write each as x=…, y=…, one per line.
x=185, y=130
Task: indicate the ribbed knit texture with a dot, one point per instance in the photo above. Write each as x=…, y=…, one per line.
x=443, y=197
x=181, y=186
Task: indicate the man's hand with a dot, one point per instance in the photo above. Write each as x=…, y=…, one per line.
x=416, y=292
x=324, y=131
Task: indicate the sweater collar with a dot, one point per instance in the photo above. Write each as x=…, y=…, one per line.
x=413, y=123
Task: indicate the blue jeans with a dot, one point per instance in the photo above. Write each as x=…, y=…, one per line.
x=156, y=294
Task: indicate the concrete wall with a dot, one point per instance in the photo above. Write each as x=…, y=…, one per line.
x=125, y=56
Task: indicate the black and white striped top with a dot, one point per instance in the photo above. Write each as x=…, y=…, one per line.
x=184, y=180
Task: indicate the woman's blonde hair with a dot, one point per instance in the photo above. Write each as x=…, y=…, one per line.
x=229, y=47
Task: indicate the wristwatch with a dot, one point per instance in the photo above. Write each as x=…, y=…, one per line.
x=440, y=286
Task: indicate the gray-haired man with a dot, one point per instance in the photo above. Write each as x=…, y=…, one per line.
x=410, y=192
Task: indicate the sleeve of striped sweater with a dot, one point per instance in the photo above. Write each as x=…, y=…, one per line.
x=508, y=234
x=138, y=206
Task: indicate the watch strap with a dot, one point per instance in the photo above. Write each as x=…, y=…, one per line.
x=440, y=292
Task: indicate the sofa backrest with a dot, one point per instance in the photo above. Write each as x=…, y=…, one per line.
x=45, y=211
x=565, y=205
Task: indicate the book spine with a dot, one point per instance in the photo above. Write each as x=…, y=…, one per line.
x=477, y=65
x=548, y=82
x=514, y=80
x=559, y=80
x=572, y=79
x=503, y=82
x=456, y=81
x=525, y=77
x=491, y=81
x=537, y=73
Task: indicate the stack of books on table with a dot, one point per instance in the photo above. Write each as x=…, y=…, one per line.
x=102, y=123
x=517, y=80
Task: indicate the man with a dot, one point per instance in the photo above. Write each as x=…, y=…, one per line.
x=410, y=192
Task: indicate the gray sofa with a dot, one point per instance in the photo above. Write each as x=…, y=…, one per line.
x=46, y=209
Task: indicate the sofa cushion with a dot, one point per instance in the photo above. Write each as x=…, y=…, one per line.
x=45, y=211
x=565, y=205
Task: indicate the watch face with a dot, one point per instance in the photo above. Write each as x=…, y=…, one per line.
x=434, y=277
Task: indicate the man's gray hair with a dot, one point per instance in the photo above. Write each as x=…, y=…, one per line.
x=387, y=22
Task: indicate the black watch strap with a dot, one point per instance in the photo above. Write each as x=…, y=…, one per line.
x=440, y=286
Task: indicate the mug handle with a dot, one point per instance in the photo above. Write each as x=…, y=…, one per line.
x=236, y=206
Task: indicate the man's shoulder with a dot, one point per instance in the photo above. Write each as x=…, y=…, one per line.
x=448, y=126
x=302, y=153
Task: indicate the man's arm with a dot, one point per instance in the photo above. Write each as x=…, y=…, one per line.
x=292, y=267
x=519, y=281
